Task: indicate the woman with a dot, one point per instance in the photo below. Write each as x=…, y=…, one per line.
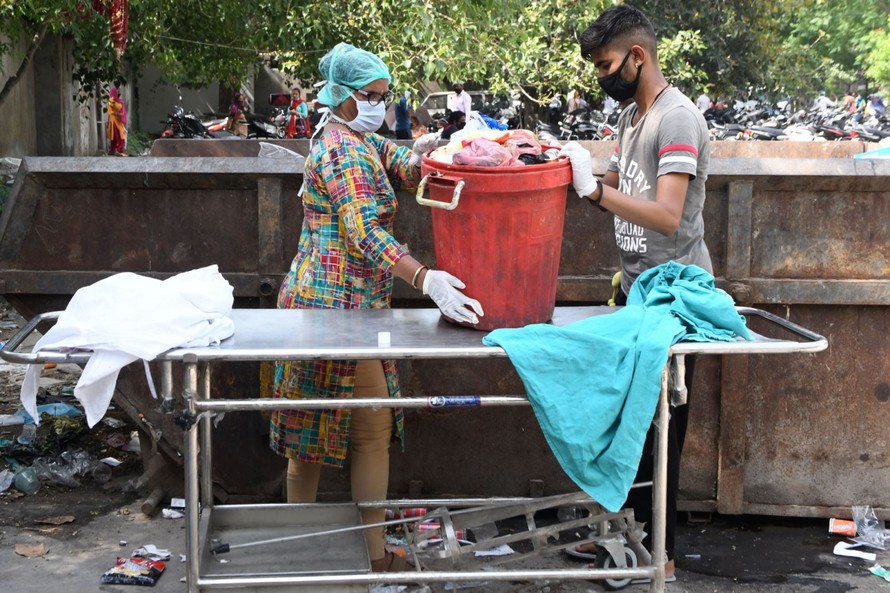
x=298, y=117
x=237, y=123
x=347, y=258
x=116, y=128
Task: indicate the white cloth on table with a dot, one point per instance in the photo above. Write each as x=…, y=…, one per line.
x=127, y=317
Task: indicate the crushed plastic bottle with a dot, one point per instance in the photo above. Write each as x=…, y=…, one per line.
x=6, y=479
x=26, y=481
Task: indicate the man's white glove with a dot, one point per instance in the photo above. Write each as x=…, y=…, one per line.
x=422, y=145
x=442, y=287
x=582, y=169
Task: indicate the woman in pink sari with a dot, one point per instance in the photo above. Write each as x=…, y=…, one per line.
x=116, y=129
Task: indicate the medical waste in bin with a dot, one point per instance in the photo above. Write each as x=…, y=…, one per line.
x=499, y=229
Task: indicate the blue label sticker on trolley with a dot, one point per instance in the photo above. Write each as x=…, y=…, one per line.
x=453, y=401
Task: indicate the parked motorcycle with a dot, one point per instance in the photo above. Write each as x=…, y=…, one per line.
x=180, y=124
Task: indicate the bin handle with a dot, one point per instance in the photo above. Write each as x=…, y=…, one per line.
x=455, y=196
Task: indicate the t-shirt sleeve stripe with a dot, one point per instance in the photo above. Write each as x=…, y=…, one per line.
x=678, y=148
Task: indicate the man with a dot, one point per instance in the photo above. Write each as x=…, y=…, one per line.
x=703, y=102
x=655, y=187
x=403, y=117
x=462, y=100
x=823, y=103
x=456, y=121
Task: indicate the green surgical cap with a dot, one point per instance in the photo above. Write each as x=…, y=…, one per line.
x=347, y=68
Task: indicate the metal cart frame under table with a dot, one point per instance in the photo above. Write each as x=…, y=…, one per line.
x=273, y=335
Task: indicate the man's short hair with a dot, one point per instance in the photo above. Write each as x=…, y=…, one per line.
x=455, y=116
x=618, y=23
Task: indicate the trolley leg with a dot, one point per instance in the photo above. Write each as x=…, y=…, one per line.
x=659, y=489
x=190, y=451
x=206, y=439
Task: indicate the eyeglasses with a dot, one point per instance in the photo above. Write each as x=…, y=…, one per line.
x=373, y=98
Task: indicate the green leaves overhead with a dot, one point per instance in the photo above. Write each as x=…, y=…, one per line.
x=726, y=46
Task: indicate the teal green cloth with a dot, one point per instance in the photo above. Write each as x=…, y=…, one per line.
x=594, y=384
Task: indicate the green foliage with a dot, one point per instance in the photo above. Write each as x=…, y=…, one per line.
x=831, y=44
x=877, y=60
x=729, y=47
x=138, y=143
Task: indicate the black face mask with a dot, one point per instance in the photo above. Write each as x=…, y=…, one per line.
x=618, y=88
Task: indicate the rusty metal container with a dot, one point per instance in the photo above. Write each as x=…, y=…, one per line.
x=799, y=229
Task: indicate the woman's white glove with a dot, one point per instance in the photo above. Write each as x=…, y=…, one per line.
x=442, y=287
x=422, y=145
x=582, y=168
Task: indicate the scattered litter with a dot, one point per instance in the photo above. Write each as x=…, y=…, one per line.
x=31, y=550
x=133, y=571
x=111, y=461
x=49, y=365
x=6, y=478
x=843, y=527
x=171, y=514
x=122, y=543
x=177, y=503
x=182, y=557
x=151, y=552
x=693, y=556
x=845, y=549
x=870, y=530
x=502, y=550
x=56, y=409
x=880, y=571
x=117, y=440
x=108, y=420
x=59, y=520
x=29, y=433
x=389, y=588
x=11, y=419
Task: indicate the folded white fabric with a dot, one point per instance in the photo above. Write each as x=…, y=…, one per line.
x=127, y=317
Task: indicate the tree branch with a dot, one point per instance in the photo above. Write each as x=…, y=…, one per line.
x=13, y=80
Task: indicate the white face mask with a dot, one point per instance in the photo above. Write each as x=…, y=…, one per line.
x=369, y=118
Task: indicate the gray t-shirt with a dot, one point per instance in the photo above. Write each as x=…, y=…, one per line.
x=671, y=137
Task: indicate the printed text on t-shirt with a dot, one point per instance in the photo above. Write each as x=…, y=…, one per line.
x=632, y=173
x=629, y=236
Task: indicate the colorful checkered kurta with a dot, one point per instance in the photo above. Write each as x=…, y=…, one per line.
x=344, y=258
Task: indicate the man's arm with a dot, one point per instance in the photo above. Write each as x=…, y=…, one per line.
x=663, y=215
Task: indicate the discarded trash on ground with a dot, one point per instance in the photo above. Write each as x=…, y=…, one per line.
x=59, y=520
x=880, y=571
x=134, y=571
x=844, y=527
x=869, y=529
x=845, y=549
x=151, y=552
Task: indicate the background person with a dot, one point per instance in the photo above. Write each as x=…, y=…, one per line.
x=456, y=121
x=297, y=117
x=655, y=187
x=347, y=259
x=403, y=117
x=237, y=123
x=462, y=101
x=116, y=127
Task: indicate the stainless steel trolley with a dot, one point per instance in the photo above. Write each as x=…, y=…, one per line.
x=270, y=335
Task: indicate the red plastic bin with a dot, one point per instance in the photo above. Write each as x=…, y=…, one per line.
x=500, y=231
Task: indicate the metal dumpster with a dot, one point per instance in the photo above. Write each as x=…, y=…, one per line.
x=805, y=238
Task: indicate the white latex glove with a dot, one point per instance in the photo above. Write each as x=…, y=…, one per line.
x=582, y=169
x=442, y=287
x=422, y=145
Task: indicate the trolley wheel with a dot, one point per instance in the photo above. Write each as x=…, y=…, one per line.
x=605, y=560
